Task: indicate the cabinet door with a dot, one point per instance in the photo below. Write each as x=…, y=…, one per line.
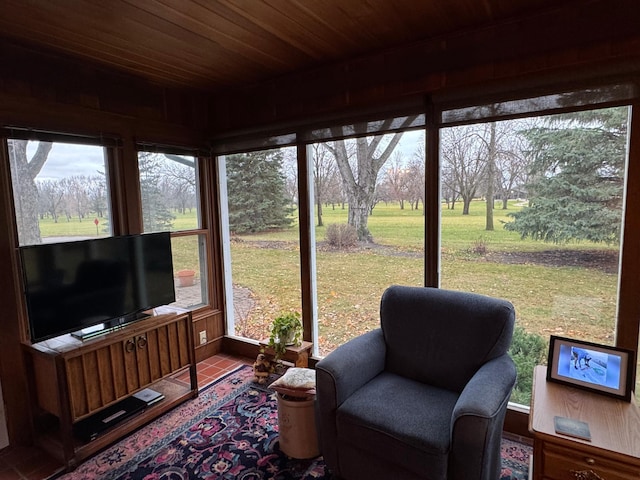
x=168, y=348
x=112, y=371
x=134, y=361
x=95, y=378
x=156, y=353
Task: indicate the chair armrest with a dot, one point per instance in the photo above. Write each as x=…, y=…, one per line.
x=487, y=390
x=338, y=375
x=477, y=421
x=349, y=367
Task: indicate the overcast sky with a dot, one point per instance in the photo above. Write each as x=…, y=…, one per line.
x=67, y=160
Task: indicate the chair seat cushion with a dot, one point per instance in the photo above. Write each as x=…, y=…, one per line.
x=406, y=421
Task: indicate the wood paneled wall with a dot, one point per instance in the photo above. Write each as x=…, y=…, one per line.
x=47, y=92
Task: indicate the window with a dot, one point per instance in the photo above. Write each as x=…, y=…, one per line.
x=529, y=208
x=259, y=201
x=60, y=191
x=369, y=228
x=532, y=212
x=170, y=201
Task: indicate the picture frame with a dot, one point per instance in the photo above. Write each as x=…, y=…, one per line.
x=590, y=366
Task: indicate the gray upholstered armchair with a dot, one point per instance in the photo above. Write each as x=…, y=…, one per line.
x=425, y=395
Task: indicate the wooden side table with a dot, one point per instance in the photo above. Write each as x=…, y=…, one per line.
x=299, y=355
x=614, y=450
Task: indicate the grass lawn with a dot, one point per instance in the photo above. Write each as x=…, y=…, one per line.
x=549, y=299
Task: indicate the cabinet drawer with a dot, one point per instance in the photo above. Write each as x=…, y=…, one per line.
x=561, y=464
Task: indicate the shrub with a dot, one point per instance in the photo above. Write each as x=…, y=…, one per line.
x=527, y=351
x=479, y=246
x=341, y=235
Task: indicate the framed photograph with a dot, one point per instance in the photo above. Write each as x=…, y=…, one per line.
x=590, y=366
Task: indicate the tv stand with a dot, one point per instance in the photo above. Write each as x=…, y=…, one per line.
x=72, y=381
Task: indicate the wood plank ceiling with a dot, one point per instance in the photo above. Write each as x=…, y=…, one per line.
x=216, y=44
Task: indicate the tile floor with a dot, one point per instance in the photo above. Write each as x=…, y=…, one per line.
x=29, y=463
x=213, y=367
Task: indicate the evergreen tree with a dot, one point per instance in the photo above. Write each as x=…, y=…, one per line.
x=156, y=216
x=256, y=192
x=576, y=178
x=527, y=350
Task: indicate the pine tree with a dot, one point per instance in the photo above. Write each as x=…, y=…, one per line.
x=256, y=192
x=577, y=178
x=156, y=216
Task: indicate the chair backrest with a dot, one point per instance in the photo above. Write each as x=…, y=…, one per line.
x=442, y=337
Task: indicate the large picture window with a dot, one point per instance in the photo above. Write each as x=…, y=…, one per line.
x=532, y=212
x=522, y=200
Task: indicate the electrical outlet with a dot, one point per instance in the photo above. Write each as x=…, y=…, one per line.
x=203, y=337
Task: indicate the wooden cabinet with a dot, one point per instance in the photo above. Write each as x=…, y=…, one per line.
x=614, y=450
x=73, y=380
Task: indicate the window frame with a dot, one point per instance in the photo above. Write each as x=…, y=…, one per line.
x=203, y=194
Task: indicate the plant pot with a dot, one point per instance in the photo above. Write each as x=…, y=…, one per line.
x=290, y=338
x=186, y=278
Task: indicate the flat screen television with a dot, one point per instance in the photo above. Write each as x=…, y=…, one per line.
x=91, y=286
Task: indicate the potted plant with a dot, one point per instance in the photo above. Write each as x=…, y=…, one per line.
x=186, y=277
x=286, y=330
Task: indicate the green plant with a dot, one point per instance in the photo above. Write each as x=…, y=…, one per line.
x=286, y=329
x=527, y=351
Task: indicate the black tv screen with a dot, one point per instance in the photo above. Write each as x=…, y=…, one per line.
x=103, y=282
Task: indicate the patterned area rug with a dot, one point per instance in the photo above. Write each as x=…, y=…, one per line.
x=229, y=432
x=515, y=460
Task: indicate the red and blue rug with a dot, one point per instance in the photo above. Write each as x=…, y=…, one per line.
x=229, y=432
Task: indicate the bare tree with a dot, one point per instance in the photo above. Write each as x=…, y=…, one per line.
x=24, y=172
x=506, y=162
x=511, y=169
x=179, y=181
x=416, y=172
x=52, y=196
x=491, y=146
x=324, y=177
x=448, y=187
x=334, y=190
x=465, y=159
x=360, y=180
x=513, y=157
x=179, y=176
x=396, y=179
x=290, y=172
x=97, y=194
x=76, y=193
